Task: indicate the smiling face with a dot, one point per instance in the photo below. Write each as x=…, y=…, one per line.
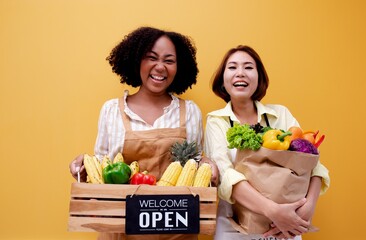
x=240, y=76
x=159, y=66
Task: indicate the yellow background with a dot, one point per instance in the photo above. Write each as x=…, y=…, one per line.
x=54, y=78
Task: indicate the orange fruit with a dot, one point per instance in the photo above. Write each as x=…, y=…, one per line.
x=309, y=136
x=296, y=132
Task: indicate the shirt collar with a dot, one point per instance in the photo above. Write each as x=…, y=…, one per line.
x=174, y=104
x=263, y=109
x=227, y=111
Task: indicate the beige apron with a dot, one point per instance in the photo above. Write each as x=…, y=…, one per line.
x=151, y=148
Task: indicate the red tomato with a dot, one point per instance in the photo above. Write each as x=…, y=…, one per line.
x=143, y=178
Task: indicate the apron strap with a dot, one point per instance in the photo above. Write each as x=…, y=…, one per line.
x=182, y=112
x=126, y=121
x=265, y=118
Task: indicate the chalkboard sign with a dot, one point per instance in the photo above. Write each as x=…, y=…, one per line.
x=162, y=214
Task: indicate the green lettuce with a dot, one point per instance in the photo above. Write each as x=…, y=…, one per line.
x=243, y=137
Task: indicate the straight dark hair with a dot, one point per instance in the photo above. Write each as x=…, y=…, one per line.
x=218, y=78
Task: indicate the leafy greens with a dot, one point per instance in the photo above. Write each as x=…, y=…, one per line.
x=243, y=137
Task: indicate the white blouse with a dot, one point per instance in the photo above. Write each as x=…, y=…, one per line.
x=111, y=132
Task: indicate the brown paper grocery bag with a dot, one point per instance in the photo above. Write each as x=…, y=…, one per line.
x=282, y=176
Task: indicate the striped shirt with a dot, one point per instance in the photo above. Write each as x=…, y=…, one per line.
x=111, y=132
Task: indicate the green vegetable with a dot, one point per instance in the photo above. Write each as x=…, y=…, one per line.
x=258, y=128
x=117, y=173
x=243, y=137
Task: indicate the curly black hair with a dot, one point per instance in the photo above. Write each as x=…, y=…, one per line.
x=125, y=58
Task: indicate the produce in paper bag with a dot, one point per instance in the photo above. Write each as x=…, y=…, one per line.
x=282, y=176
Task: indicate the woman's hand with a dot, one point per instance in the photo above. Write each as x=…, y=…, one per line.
x=214, y=169
x=304, y=211
x=284, y=216
x=286, y=221
x=77, y=165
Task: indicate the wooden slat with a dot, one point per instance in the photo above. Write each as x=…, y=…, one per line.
x=207, y=227
x=208, y=210
x=97, y=207
x=118, y=208
x=96, y=224
x=101, y=207
x=117, y=225
x=120, y=191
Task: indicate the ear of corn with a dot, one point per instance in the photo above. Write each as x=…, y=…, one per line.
x=170, y=175
x=135, y=168
x=93, y=169
x=97, y=165
x=118, y=158
x=187, y=175
x=106, y=161
x=203, y=176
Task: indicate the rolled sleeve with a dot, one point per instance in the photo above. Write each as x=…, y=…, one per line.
x=229, y=179
x=216, y=149
x=321, y=171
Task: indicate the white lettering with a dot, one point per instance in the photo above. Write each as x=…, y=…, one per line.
x=168, y=219
x=181, y=219
x=144, y=220
x=151, y=219
x=164, y=203
x=156, y=216
x=147, y=203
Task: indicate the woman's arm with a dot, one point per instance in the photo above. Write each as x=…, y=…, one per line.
x=306, y=211
x=283, y=216
x=215, y=148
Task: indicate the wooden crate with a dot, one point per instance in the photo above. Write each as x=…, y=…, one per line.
x=102, y=207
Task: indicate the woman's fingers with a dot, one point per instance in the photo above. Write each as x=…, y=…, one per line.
x=77, y=166
x=272, y=232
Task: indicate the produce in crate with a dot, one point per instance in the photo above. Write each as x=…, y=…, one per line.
x=181, y=153
x=184, y=154
x=188, y=173
x=203, y=176
x=143, y=178
x=135, y=168
x=106, y=161
x=118, y=158
x=117, y=173
x=170, y=175
x=93, y=169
